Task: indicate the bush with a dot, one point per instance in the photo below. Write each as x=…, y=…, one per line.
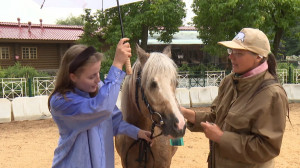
x=2, y=74
x=19, y=71
x=285, y=65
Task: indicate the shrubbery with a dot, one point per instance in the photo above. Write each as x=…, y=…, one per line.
x=19, y=71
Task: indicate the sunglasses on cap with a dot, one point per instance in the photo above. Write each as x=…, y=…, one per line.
x=237, y=53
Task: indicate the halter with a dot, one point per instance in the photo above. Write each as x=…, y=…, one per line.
x=144, y=146
x=152, y=112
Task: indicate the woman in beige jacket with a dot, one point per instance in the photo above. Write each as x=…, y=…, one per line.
x=247, y=119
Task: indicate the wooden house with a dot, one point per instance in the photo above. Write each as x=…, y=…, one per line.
x=37, y=45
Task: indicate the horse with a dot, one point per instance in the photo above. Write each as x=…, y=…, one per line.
x=148, y=101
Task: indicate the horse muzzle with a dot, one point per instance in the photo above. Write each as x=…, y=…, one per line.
x=170, y=127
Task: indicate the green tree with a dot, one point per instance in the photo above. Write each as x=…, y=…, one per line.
x=92, y=36
x=219, y=20
x=91, y=30
x=292, y=41
x=71, y=20
x=281, y=17
x=156, y=16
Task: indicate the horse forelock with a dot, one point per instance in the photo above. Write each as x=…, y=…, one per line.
x=159, y=64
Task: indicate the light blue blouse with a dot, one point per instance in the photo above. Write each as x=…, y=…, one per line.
x=87, y=125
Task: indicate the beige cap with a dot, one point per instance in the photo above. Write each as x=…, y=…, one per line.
x=250, y=39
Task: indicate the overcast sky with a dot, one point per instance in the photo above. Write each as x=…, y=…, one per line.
x=28, y=10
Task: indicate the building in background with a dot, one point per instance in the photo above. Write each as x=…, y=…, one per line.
x=36, y=45
x=186, y=47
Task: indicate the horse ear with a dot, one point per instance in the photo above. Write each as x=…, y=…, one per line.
x=142, y=55
x=167, y=51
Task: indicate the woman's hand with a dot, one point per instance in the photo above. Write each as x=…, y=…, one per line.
x=123, y=52
x=189, y=114
x=212, y=131
x=145, y=135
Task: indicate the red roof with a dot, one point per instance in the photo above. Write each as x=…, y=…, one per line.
x=187, y=28
x=23, y=31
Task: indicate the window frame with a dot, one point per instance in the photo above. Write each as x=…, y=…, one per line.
x=1, y=52
x=30, y=53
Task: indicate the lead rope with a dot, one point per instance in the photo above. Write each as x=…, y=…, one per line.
x=144, y=147
x=211, y=153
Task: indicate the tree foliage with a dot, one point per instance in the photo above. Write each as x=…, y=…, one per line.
x=219, y=20
x=156, y=16
x=71, y=20
x=292, y=41
x=91, y=30
x=281, y=17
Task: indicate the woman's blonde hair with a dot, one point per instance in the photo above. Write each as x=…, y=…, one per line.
x=63, y=83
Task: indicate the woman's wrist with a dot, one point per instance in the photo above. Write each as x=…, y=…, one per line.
x=192, y=118
x=189, y=114
x=118, y=65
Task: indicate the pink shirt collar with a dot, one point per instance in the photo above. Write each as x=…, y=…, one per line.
x=261, y=68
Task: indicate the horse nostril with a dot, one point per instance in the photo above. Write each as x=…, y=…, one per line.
x=175, y=126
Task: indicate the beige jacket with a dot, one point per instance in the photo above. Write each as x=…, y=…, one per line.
x=253, y=125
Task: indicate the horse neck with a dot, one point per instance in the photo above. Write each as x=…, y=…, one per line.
x=130, y=111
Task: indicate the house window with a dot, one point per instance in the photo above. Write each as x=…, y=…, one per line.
x=4, y=53
x=29, y=53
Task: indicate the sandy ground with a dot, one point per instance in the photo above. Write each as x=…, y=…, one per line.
x=30, y=144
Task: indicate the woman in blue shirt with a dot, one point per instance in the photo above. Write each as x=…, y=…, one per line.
x=85, y=111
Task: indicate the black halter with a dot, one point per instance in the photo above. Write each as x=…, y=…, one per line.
x=151, y=111
x=144, y=146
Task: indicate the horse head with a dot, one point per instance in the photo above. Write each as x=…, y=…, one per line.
x=156, y=81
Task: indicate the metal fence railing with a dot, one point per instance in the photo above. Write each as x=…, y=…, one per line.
x=214, y=78
x=296, y=75
x=13, y=87
x=200, y=79
x=43, y=85
x=282, y=75
x=20, y=87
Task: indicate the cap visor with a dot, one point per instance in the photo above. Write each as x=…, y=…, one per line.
x=231, y=44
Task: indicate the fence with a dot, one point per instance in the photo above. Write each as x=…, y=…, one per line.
x=296, y=74
x=20, y=87
x=282, y=75
x=200, y=79
x=43, y=85
x=13, y=87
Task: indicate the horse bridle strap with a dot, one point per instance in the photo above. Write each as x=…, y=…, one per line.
x=152, y=112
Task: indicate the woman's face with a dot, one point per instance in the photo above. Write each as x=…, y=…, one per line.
x=243, y=61
x=88, y=79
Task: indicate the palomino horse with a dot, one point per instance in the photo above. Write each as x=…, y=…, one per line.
x=148, y=99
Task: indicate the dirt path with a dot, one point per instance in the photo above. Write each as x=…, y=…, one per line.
x=30, y=144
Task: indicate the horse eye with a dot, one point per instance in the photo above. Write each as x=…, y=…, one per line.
x=153, y=85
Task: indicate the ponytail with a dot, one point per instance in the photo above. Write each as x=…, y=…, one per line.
x=272, y=65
